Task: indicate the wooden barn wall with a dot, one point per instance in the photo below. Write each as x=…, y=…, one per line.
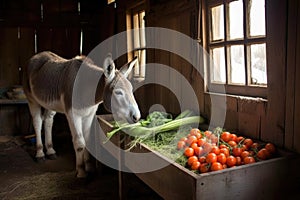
x=56, y=24
x=275, y=119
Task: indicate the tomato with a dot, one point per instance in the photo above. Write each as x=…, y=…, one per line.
x=201, y=141
x=224, y=166
x=221, y=158
x=225, y=151
x=225, y=136
x=233, y=137
x=191, y=139
x=255, y=146
x=188, y=152
x=183, y=139
x=238, y=160
x=249, y=159
x=270, y=148
x=239, y=139
x=213, y=139
x=216, y=166
x=244, y=147
x=207, y=134
x=223, y=146
x=198, y=151
x=263, y=154
x=232, y=143
x=211, y=158
x=191, y=160
x=195, y=165
x=236, y=151
x=207, y=147
x=204, y=167
x=180, y=145
x=196, y=132
x=215, y=150
x=248, y=142
x=231, y=161
x=244, y=154
x=202, y=159
x=194, y=145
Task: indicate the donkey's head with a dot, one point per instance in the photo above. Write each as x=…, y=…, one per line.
x=118, y=96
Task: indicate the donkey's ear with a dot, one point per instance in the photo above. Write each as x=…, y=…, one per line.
x=109, y=68
x=126, y=69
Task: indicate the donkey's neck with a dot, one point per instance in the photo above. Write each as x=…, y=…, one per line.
x=100, y=90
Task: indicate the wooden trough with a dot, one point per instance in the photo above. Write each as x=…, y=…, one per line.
x=271, y=179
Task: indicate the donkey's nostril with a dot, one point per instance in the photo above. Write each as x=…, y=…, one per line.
x=134, y=118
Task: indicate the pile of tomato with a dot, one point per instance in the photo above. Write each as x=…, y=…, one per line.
x=207, y=151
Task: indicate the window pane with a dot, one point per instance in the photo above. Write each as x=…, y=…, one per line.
x=237, y=64
x=236, y=20
x=258, y=64
x=217, y=23
x=257, y=17
x=218, y=73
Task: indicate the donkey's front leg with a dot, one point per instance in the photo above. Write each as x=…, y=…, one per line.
x=48, y=123
x=75, y=123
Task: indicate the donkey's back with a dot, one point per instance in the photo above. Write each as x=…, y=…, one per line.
x=47, y=79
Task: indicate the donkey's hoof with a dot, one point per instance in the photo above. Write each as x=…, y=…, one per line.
x=52, y=156
x=40, y=159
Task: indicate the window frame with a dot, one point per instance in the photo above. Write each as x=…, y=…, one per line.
x=248, y=89
x=130, y=12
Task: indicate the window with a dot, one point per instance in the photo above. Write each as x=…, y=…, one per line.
x=137, y=40
x=236, y=42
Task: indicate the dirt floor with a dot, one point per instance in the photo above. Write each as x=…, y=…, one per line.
x=23, y=178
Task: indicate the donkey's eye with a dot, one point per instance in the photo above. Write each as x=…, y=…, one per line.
x=119, y=92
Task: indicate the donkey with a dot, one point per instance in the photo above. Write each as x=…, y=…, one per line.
x=48, y=84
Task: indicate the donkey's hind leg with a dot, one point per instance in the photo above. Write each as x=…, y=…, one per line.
x=37, y=120
x=48, y=123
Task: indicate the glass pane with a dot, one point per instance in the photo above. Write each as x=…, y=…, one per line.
x=237, y=64
x=236, y=20
x=218, y=73
x=217, y=23
x=258, y=64
x=257, y=17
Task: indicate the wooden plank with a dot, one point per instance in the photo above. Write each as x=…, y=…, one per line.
x=296, y=145
x=9, y=66
x=276, y=54
x=291, y=74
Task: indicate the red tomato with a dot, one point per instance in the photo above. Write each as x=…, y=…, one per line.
x=248, y=142
x=233, y=137
x=207, y=147
x=215, y=150
x=225, y=136
x=211, y=158
x=244, y=154
x=263, y=154
x=223, y=146
x=191, y=139
x=201, y=142
x=221, y=158
x=180, y=145
x=239, y=139
x=183, y=139
x=195, y=131
x=188, y=152
x=202, y=159
x=225, y=151
x=195, y=165
x=231, y=161
x=204, y=167
x=270, y=148
x=216, y=166
x=207, y=134
x=236, y=151
x=191, y=160
x=198, y=151
x=232, y=143
x=238, y=160
x=249, y=159
x=255, y=146
x=213, y=139
x=194, y=145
